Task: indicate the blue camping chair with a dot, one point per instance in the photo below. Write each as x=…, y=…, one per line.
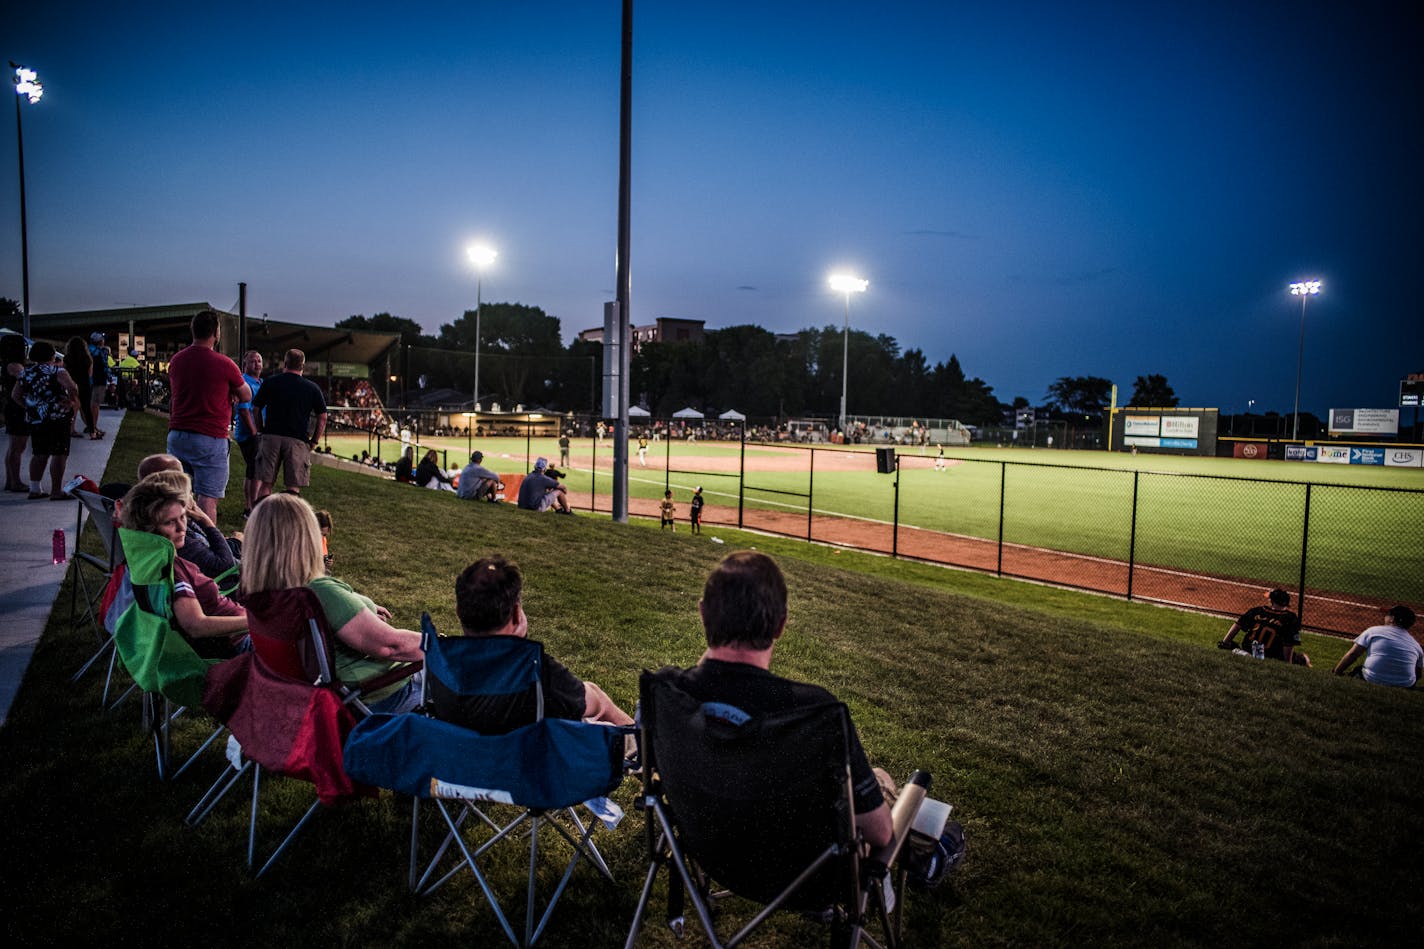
x=536, y=774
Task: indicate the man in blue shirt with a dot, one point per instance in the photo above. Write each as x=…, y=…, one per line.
x=245, y=428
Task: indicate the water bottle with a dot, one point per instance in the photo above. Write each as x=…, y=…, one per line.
x=1258, y=650
x=58, y=547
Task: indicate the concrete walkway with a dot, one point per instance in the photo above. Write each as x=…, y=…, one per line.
x=29, y=580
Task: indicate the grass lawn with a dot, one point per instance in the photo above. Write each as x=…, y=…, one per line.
x=1122, y=781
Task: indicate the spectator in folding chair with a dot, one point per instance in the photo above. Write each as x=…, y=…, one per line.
x=489, y=602
x=743, y=610
x=204, y=546
x=283, y=545
x=212, y=623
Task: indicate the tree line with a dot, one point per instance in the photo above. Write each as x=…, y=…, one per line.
x=761, y=374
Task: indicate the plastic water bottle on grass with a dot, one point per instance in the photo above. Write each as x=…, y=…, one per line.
x=1258, y=650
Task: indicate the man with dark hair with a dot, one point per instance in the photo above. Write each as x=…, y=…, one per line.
x=1274, y=626
x=282, y=413
x=489, y=602
x=203, y=387
x=743, y=609
x=1392, y=655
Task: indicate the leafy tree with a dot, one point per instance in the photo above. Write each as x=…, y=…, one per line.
x=11, y=313
x=1153, y=390
x=519, y=348
x=410, y=331
x=1082, y=395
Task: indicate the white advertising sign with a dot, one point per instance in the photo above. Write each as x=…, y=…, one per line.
x=1142, y=425
x=1333, y=454
x=1403, y=458
x=1180, y=426
x=1364, y=421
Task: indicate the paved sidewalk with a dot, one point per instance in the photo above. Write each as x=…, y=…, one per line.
x=29, y=581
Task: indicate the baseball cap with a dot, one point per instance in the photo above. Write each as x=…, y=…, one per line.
x=540, y=464
x=96, y=337
x=477, y=457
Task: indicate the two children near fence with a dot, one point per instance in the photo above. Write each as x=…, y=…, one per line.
x=667, y=510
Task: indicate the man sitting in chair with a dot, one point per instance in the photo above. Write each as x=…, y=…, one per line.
x=488, y=601
x=743, y=609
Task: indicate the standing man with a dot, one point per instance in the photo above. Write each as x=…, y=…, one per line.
x=98, y=379
x=643, y=451
x=1274, y=626
x=563, y=450
x=204, y=385
x=245, y=429
x=282, y=412
x=1392, y=655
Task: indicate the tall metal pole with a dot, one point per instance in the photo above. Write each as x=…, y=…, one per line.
x=24, y=232
x=845, y=360
x=1299, y=359
x=624, y=277
x=479, y=292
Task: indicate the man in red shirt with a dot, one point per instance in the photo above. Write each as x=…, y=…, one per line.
x=203, y=387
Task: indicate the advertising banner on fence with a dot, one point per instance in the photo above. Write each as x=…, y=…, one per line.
x=1149, y=425
x=1249, y=450
x=1302, y=453
x=1364, y=421
x=1404, y=458
x=1367, y=456
x=1333, y=454
x=1180, y=426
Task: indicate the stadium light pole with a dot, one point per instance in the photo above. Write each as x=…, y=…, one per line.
x=481, y=256
x=846, y=284
x=1305, y=289
x=26, y=87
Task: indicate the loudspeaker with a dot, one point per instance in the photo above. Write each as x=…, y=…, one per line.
x=885, y=460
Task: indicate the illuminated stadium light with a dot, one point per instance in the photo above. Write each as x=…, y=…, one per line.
x=481, y=255
x=847, y=284
x=1305, y=289
x=27, y=86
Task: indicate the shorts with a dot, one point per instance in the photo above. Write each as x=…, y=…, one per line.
x=248, y=447
x=15, y=423
x=294, y=456
x=546, y=502
x=50, y=438
x=205, y=458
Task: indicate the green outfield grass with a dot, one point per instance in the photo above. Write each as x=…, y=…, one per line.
x=1218, y=516
x=1122, y=782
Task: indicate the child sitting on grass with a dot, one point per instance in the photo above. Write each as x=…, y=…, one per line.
x=669, y=510
x=323, y=521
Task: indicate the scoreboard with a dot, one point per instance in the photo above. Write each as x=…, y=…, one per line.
x=1411, y=389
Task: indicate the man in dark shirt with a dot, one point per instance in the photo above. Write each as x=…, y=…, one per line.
x=282, y=412
x=489, y=602
x=743, y=609
x=1274, y=626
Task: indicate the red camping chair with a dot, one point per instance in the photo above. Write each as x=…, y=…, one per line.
x=288, y=712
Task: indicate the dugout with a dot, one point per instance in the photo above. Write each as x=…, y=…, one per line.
x=1165, y=430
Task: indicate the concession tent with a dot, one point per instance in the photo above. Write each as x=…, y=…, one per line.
x=688, y=413
x=732, y=415
x=637, y=411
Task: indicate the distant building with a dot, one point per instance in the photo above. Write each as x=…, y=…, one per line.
x=666, y=329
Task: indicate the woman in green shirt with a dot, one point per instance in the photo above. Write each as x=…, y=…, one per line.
x=282, y=549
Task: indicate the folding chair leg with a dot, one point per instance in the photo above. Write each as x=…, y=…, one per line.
x=217, y=792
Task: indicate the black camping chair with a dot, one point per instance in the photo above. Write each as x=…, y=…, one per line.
x=763, y=808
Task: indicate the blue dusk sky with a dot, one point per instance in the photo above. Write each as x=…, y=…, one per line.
x=1043, y=189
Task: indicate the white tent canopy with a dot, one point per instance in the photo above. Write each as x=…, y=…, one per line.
x=732, y=415
x=688, y=413
x=637, y=411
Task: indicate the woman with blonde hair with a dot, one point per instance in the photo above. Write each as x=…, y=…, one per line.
x=205, y=546
x=157, y=506
x=283, y=550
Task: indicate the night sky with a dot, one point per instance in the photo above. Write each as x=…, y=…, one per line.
x=1043, y=189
